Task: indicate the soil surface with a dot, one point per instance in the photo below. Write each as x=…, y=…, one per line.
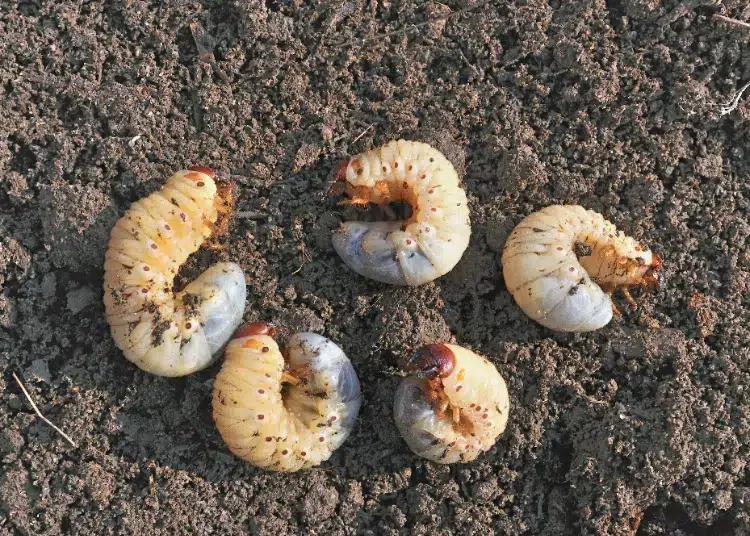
x=642, y=427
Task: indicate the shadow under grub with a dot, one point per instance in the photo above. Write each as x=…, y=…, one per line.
x=169, y=421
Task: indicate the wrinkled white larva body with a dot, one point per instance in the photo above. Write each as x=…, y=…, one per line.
x=557, y=288
x=425, y=246
x=162, y=332
x=475, y=389
x=292, y=428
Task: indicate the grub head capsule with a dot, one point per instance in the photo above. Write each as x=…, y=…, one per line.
x=652, y=279
x=203, y=169
x=432, y=360
x=256, y=328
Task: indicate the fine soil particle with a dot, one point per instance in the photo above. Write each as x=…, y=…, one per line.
x=640, y=427
x=76, y=221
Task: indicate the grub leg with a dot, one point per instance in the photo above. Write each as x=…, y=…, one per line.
x=288, y=378
x=615, y=310
x=631, y=301
x=456, y=415
x=355, y=201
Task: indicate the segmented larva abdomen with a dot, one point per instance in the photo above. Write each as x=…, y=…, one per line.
x=285, y=414
x=562, y=262
x=162, y=332
x=458, y=411
x=431, y=241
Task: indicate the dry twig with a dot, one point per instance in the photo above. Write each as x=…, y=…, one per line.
x=466, y=60
x=365, y=131
x=250, y=215
x=729, y=20
x=203, y=43
x=39, y=413
x=729, y=107
x=305, y=257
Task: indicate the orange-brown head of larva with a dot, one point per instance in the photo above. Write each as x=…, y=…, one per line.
x=203, y=169
x=338, y=179
x=651, y=279
x=223, y=201
x=432, y=361
x=256, y=328
x=636, y=274
x=341, y=185
x=224, y=196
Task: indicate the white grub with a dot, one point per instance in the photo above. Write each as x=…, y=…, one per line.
x=163, y=332
x=421, y=248
x=284, y=412
x=562, y=264
x=454, y=407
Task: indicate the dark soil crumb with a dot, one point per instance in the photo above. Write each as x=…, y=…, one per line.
x=76, y=221
x=642, y=424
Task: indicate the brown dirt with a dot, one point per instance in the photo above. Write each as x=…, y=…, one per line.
x=606, y=103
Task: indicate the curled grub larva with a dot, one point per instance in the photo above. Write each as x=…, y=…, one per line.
x=167, y=333
x=562, y=264
x=455, y=405
x=284, y=412
x=421, y=248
